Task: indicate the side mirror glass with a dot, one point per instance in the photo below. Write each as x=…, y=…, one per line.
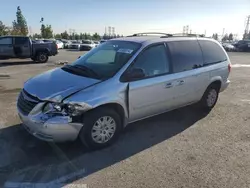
x=134, y=74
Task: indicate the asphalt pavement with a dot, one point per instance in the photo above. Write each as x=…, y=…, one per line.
x=182, y=148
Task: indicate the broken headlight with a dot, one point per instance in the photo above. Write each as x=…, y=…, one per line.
x=64, y=109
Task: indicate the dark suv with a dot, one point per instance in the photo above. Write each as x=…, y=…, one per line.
x=23, y=47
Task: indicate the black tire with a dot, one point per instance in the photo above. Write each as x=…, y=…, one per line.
x=206, y=103
x=42, y=57
x=90, y=119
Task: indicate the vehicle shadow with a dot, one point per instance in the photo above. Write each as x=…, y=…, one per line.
x=14, y=63
x=25, y=159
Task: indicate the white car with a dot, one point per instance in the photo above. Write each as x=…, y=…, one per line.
x=87, y=45
x=228, y=47
x=59, y=44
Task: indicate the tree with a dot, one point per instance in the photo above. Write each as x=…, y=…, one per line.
x=3, y=29
x=65, y=35
x=81, y=36
x=36, y=36
x=230, y=37
x=46, y=31
x=225, y=38
x=96, y=36
x=58, y=36
x=76, y=36
x=215, y=36
x=20, y=25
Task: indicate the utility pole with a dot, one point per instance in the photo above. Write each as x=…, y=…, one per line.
x=247, y=28
x=109, y=31
x=185, y=29
x=223, y=31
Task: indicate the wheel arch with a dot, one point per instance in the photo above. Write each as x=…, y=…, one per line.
x=217, y=81
x=46, y=50
x=117, y=108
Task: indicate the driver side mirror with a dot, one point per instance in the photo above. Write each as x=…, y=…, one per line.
x=134, y=74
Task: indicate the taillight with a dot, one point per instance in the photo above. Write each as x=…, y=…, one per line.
x=229, y=67
x=57, y=46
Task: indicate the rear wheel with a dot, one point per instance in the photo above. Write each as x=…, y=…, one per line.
x=101, y=128
x=210, y=97
x=42, y=57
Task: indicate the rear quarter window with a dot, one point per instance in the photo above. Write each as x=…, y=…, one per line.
x=185, y=55
x=212, y=52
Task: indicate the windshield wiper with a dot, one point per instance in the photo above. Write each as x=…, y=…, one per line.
x=75, y=70
x=88, y=70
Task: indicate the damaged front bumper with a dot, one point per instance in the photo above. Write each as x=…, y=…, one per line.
x=54, y=129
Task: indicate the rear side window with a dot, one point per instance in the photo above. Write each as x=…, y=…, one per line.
x=6, y=40
x=185, y=55
x=212, y=52
x=21, y=40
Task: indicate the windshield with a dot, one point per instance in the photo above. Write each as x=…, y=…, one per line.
x=106, y=59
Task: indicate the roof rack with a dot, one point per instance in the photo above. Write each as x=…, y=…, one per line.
x=166, y=35
x=150, y=33
x=185, y=35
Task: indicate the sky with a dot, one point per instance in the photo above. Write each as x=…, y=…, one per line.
x=131, y=16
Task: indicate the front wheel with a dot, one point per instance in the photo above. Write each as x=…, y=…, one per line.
x=101, y=127
x=42, y=57
x=210, y=97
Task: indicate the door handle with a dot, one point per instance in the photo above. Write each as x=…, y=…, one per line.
x=168, y=85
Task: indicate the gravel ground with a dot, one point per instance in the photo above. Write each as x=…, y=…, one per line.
x=182, y=148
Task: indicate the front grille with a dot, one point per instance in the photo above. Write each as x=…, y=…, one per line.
x=26, y=102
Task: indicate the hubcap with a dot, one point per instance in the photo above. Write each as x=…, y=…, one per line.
x=42, y=57
x=103, y=129
x=211, y=98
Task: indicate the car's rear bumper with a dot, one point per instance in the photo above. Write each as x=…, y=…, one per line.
x=224, y=85
x=54, y=129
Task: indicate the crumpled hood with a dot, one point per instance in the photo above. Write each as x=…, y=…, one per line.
x=57, y=84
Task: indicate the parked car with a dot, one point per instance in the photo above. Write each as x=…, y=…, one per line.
x=243, y=45
x=23, y=47
x=74, y=45
x=87, y=45
x=229, y=47
x=96, y=43
x=66, y=43
x=102, y=41
x=59, y=44
x=123, y=81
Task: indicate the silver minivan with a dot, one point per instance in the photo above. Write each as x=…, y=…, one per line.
x=122, y=81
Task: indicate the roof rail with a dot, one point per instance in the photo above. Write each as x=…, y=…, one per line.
x=185, y=35
x=150, y=33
